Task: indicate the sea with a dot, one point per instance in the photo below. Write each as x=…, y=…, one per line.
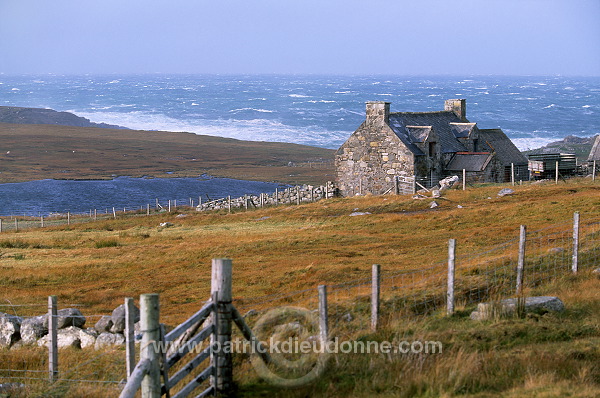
x=312, y=110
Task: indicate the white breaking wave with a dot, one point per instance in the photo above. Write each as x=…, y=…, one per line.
x=251, y=109
x=298, y=96
x=525, y=144
x=250, y=130
x=550, y=106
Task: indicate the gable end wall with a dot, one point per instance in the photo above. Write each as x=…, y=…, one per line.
x=370, y=159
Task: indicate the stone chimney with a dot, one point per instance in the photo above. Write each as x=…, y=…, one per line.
x=458, y=106
x=378, y=113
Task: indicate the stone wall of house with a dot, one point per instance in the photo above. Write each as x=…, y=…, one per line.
x=369, y=160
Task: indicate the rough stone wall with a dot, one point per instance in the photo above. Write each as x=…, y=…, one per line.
x=369, y=160
x=292, y=195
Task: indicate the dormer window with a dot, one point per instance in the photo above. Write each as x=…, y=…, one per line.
x=431, y=148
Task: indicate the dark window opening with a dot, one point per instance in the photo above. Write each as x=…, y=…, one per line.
x=431, y=148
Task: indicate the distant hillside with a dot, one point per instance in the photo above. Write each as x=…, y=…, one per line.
x=580, y=146
x=19, y=115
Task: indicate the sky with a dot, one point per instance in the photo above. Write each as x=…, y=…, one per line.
x=403, y=37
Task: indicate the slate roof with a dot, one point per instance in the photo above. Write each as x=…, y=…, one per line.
x=506, y=152
x=439, y=121
x=469, y=161
x=595, y=152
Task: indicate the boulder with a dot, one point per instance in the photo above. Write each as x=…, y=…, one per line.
x=596, y=271
x=118, y=318
x=508, y=307
x=67, y=337
x=436, y=193
x=33, y=329
x=433, y=205
x=109, y=339
x=104, y=324
x=10, y=328
x=448, y=182
x=68, y=317
x=505, y=191
x=359, y=213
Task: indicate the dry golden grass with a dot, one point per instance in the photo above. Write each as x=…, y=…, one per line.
x=288, y=248
x=279, y=249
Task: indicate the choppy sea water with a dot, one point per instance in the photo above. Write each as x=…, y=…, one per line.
x=313, y=110
x=43, y=197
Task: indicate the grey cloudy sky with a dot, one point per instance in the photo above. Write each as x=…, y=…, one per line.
x=513, y=37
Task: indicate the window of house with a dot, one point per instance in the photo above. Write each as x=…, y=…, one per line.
x=431, y=148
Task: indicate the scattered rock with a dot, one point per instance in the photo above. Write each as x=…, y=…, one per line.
x=33, y=329
x=596, y=271
x=165, y=224
x=263, y=218
x=109, y=339
x=419, y=196
x=9, y=388
x=104, y=324
x=433, y=205
x=68, y=317
x=505, y=191
x=359, y=213
x=436, y=193
x=347, y=317
x=181, y=215
x=459, y=207
x=448, y=182
x=10, y=327
x=250, y=313
x=70, y=337
x=556, y=250
x=537, y=305
x=118, y=318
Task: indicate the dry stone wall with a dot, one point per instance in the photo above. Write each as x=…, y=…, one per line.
x=292, y=195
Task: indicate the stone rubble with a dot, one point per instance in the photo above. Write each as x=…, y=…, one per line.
x=18, y=331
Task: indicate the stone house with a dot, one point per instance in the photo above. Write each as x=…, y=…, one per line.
x=427, y=146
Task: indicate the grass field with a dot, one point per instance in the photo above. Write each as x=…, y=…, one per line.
x=30, y=152
x=285, y=248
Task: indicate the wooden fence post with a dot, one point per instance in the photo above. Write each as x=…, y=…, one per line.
x=129, y=336
x=521, y=261
x=451, y=273
x=575, y=242
x=16, y=225
x=42, y=221
x=0, y=225
x=594, y=172
x=68, y=218
x=169, y=205
x=556, y=177
x=297, y=194
x=221, y=291
x=396, y=187
x=114, y=213
x=375, y=294
x=148, y=209
x=95, y=214
x=512, y=174
x=149, y=313
x=464, y=180
x=229, y=204
x=276, y=197
x=52, y=342
x=323, y=315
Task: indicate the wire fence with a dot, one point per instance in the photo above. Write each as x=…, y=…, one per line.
x=550, y=253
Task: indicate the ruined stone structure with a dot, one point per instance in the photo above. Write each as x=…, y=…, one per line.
x=425, y=145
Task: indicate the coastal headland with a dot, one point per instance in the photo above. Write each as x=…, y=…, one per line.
x=39, y=151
